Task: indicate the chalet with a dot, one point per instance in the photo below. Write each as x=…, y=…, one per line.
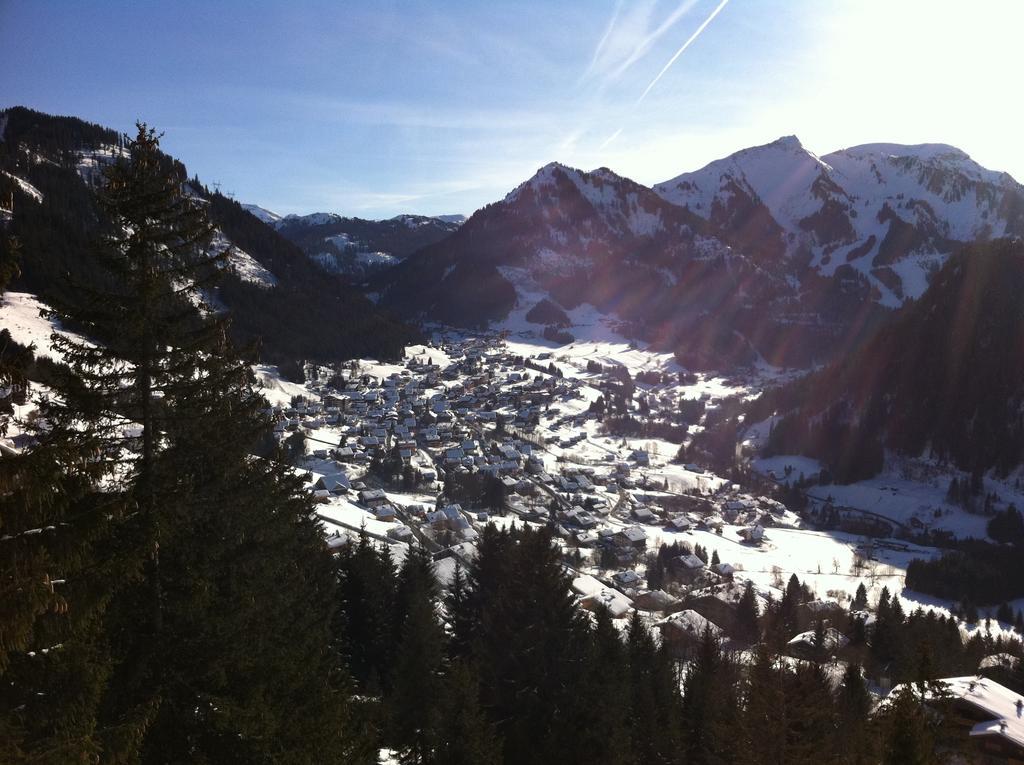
x=826, y=611
x=720, y=604
x=579, y=517
x=594, y=596
x=400, y=534
x=632, y=536
x=655, y=600
x=679, y=523
x=752, y=534
x=372, y=497
x=683, y=630
x=627, y=579
x=337, y=541
x=586, y=538
x=686, y=568
x=988, y=715
x=645, y=515
x=336, y=483
x=723, y=570
x=806, y=645
x=385, y=512
x=640, y=457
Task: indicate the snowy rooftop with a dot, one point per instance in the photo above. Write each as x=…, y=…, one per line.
x=991, y=698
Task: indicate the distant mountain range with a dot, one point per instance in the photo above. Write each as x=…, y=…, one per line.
x=891, y=212
x=357, y=247
x=899, y=269
x=50, y=169
x=769, y=253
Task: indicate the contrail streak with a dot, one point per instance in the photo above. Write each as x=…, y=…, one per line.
x=609, y=139
x=604, y=38
x=685, y=45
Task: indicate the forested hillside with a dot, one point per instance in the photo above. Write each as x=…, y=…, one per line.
x=945, y=378
x=50, y=168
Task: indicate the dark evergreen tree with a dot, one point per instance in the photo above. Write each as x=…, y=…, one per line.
x=602, y=729
x=810, y=716
x=366, y=595
x=710, y=705
x=853, y=707
x=762, y=735
x=860, y=599
x=907, y=733
x=529, y=642
x=59, y=565
x=653, y=699
x=747, y=616
x=465, y=735
x=223, y=643
x=416, y=688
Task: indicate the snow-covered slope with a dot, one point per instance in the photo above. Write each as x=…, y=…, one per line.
x=586, y=238
x=263, y=214
x=25, y=187
x=891, y=212
x=358, y=247
x=781, y=175
x=243, y=264
x=456, y=218
x=311, y=219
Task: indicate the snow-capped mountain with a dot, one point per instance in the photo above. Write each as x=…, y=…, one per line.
x=263, y=214
x=357, y=247
x=587, y=237
x=456, y=218
x=893, y=213
x=773, y=249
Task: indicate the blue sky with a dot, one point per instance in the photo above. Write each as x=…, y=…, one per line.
x=377, y=108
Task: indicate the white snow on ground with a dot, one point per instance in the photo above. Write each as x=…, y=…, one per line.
x=825, y=561
x=902, y=499
x=19, y=313
x=780, y=174
x=262, y=213
x=375, y=259
x=91, y=162
x=349, y=515
x=242, y=263
x=907, y=491
x=312, y=219
x=778, y=464
x=437, y=356
x=831, y=563
x=278, y=391
x=27, y=187
x=915, y=270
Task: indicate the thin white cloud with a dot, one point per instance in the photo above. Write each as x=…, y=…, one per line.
x=684, y=46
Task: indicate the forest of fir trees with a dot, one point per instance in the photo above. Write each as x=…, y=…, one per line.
x=167, y=596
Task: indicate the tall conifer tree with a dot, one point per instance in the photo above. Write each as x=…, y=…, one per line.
x=223, y=643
